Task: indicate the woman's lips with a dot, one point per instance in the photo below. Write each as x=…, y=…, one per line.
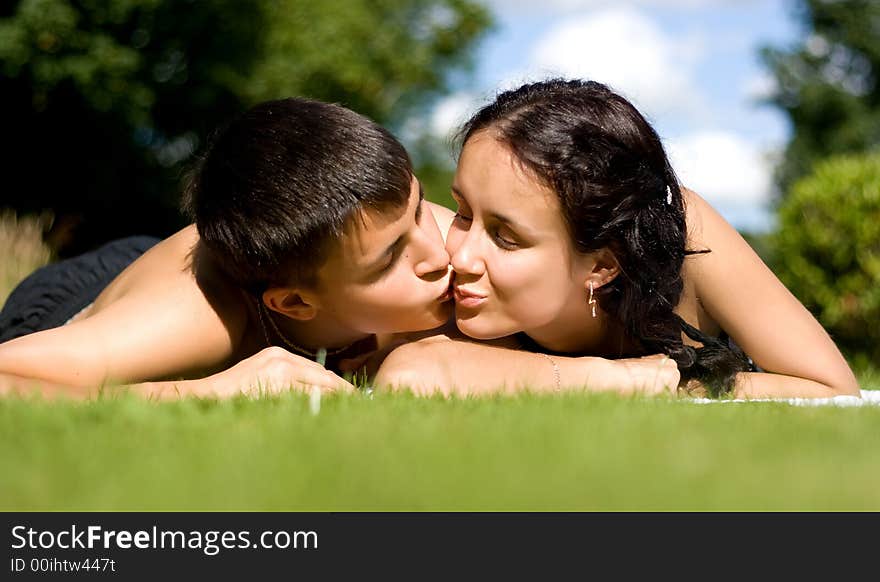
x=464, y=298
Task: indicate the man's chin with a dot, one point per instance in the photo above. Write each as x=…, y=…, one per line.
x=437, y=319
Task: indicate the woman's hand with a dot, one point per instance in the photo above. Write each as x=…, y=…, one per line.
x=655, y=374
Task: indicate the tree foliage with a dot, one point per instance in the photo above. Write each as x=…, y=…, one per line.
x=105, y=101
x=828, y=83
x=827, y=249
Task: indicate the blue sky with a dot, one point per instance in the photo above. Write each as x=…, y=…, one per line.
x=691, y=66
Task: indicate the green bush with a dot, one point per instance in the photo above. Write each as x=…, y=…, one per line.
x=827, y=249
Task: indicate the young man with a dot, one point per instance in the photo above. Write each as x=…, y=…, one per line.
x=310, y=233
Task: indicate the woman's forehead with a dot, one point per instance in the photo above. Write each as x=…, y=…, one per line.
x=489, y=172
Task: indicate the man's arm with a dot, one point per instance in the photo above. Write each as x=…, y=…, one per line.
x=269, y=371
x=148, y=334
x=154, y=321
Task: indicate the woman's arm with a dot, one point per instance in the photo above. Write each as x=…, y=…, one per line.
x=740, y=293
x=462, y=367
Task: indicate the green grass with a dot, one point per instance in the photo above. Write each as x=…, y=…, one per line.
x=397, y=452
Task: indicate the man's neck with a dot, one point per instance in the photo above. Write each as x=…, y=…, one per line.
x=312, y=335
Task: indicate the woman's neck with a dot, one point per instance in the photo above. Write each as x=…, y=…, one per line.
x=583, y=335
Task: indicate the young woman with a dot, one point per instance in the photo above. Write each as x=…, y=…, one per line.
x=574, y=237
x=310, y=232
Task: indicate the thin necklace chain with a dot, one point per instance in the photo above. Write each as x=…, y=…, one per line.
x=261, y=308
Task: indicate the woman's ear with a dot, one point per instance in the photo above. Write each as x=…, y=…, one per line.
x=292, y=302
x=604, y=269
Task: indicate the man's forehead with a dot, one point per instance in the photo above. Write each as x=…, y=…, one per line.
x=369, y=232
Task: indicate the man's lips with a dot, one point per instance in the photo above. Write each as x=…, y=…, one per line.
x=446, y=295
x=465, y=298
x=447, y=291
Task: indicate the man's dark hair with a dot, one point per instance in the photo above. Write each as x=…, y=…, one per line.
x=277, y=185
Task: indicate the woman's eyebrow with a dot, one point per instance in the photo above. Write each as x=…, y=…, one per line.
x=506, y=220
x=495, y=215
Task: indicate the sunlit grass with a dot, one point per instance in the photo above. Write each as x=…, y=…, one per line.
x=397, y=452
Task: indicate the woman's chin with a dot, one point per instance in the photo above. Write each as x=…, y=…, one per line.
x=472, y=327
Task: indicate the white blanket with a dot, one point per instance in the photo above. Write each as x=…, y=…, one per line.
x=869, y=397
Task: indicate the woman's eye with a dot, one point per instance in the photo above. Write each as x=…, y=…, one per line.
x=505, y=242
x=462, y=217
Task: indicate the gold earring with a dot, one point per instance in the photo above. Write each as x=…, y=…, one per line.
x=592, y=302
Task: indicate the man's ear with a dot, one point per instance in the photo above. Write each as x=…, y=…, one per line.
x=292, y=302
x=604, y=269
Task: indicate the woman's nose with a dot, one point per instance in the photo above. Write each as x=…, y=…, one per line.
x=465, y=255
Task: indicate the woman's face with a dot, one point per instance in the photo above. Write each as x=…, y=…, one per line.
x=390, y=273
x=515, y=266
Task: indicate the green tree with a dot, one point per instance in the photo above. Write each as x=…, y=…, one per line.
x=827, y=249
x=828, y=83
x=106, y=101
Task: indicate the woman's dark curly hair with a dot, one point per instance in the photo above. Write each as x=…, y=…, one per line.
x=618, y=191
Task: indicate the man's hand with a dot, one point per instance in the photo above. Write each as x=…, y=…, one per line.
x=271, y=371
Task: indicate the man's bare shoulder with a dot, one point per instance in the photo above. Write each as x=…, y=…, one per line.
x=443, y=216
x=177, y=276
x=168, y=260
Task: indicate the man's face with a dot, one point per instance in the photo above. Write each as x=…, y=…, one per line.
x=390, y=273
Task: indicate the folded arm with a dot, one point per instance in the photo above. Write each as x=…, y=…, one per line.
x=739, y=292
x=161, y=329
x=462, y=367
x=165, y=330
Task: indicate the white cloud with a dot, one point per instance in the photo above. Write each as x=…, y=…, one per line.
x=760, y=87
x=731, y=173
x=722, y=167
x=567, y=6
x=626, y=50
x=452, y=111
